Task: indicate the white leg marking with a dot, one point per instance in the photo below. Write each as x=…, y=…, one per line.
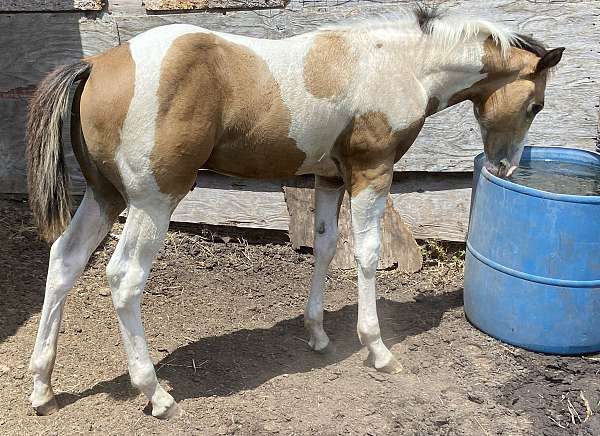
x=367, y=210
x=68, y=256
x=326, y=233
x=127, y=273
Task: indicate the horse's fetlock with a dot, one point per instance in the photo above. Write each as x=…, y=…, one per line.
x=143, y=376
x=368, y=333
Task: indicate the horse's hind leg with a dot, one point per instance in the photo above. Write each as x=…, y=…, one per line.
x=68, y=256
x=328, y=197
x=127, y=271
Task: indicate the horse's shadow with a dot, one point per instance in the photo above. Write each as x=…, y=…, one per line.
x=244, y=359
x=23, y=266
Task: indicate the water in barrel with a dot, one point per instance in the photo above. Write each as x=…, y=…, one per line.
x=559, y=177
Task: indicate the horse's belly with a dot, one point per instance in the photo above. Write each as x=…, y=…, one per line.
x=266, y=154
x=261, y=158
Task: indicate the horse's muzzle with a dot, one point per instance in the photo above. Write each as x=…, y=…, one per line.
x=503, y=169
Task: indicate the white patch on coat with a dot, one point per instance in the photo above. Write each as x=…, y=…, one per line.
x=448, y=31
x=367, y=210
x=139, y=127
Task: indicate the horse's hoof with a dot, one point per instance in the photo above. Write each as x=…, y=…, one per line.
x=48, y=408
x=167, y=412
x=392, y=367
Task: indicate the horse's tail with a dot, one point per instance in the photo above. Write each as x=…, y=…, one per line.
x=47, y=176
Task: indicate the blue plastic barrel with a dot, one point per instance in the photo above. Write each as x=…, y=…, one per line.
x=532, y=269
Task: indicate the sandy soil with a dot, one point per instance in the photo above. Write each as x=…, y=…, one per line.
x=224, y=323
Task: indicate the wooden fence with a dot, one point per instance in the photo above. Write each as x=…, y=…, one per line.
x=432, y=186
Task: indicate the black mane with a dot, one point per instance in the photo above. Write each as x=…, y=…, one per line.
x=426, y=15
x=530, y=44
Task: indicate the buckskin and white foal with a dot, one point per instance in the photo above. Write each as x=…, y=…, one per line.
x=343, y=103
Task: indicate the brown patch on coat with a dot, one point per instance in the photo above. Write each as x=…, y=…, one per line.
x=367, y=149
x=328, y=66
x=104, y=104
x=220, y=108
x=406, y=137
x=500, y=71
x=105, y=193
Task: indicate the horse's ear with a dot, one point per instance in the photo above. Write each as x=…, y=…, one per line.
x=550, y=59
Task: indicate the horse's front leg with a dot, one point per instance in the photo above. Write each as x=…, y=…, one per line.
x=365, y=155
x=127, y=273
x=368, y=205
x=328, y=198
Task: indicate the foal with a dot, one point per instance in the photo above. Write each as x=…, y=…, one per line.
x=342, y=103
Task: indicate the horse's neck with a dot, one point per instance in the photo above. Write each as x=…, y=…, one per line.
x=446, y=74
x=407, y=71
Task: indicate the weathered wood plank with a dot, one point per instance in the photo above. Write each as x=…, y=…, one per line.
x=188, y=5
x=13, y=173
x=258, y=24
x=398, y=246
x=126, y=7
x=451, y=139
x=12, y=164
x=220, y=200
x=50, y=5
x=34, y=45
x=432, y=205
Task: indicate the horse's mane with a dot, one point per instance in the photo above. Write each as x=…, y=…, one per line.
x=531, y=44
x=449, y=30
x=427, y=17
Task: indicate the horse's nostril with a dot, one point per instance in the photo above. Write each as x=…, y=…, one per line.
x=505, y=163
x=492, y=169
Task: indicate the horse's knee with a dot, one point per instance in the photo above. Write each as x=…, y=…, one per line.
x=325, y=240
x=366, y=254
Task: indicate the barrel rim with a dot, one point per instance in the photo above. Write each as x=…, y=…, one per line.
x=570, y=198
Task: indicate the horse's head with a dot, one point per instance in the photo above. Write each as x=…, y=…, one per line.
x=505, y=113
x=506, y=107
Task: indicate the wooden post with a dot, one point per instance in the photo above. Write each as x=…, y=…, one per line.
x=399, y=247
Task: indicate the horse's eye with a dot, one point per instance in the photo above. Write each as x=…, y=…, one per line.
x=536, y=108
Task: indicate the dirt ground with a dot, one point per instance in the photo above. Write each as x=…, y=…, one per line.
x=224, y=323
